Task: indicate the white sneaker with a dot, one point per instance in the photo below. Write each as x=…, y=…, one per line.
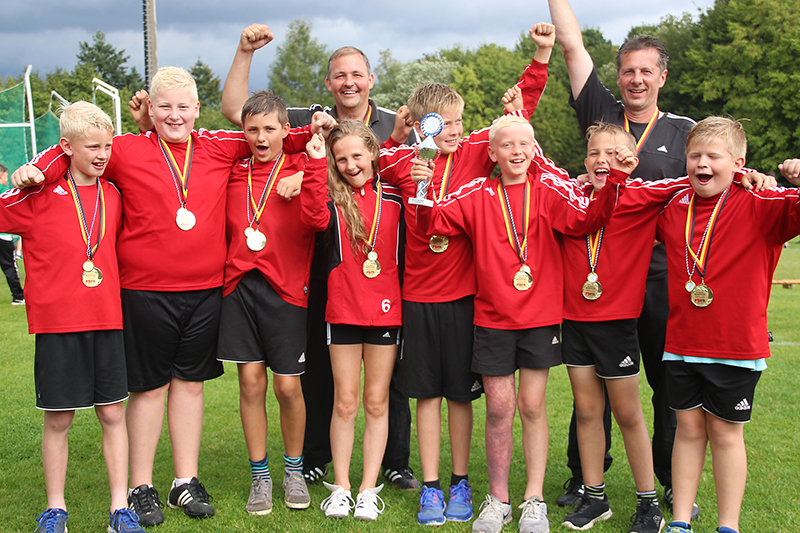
x=367, y=504
x=338, y=504
x=534, y=516
x=494, y=515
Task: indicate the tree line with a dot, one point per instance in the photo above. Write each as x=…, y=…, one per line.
x=737, y=58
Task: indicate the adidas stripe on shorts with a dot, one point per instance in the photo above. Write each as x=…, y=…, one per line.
x=725, y=391
x=611, y=346
x=500, y=352
x=258, y=326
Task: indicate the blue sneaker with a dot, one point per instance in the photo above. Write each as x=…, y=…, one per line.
x=431, y=507
x=52, y=521
x=678, y=527
x=726, y=529
x=124, y=521
x=459, y=508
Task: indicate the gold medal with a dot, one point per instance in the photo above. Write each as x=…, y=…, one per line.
x=88, y=265
x=371, y=266
x=702, y=295
x=592, y=290
x=438, y=243
x=689, y=286
x=523, y=279
x=92, y=278
x=256, y=241
x=185, y=219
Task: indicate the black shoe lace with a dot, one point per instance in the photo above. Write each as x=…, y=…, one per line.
x=644, y=511
x=573, y=485
x=199, y=493
x=146, y=501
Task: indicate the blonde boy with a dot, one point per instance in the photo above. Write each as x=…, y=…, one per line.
x=74, y=309
x=717, y=341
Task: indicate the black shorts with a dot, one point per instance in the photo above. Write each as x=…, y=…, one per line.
x=724, y=391
x=79, y=370
x=611, y=346
x=170, y=335
x=258, y=326
x=436, y=358
x=347, y=334
x=500, y=352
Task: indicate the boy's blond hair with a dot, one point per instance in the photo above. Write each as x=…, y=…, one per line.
x=434, y=98
x=507, y=121
x=615, y=130
x=173, y=78
x=79, y=117
x=720, y=128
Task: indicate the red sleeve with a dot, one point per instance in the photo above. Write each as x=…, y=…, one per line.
x=53, y=163
x=16, y=210
x=296, y=141
x=448, y=217
x=777, y=214
x=532, y=84
x=314, y=212
x=390, y=143
x=572, y=213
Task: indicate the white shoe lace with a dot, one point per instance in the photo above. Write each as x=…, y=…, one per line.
x=533, y=509
x=338, y=502
x=491, y=509
x=367, y=503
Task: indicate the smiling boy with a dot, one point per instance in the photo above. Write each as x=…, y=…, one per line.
x=713, y=362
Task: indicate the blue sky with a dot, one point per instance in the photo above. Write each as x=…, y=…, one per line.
x=46, y=33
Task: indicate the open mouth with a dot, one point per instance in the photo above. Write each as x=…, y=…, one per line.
x=601, y=173
x=704, y=178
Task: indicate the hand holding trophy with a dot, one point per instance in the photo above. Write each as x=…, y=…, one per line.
x=430, y=126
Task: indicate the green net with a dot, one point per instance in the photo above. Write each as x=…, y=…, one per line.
x=15, y=142
x=47, y=130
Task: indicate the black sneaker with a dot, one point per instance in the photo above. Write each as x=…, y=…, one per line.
x=668, y=502
x=143, y=500
x=647, y=518
x=589, y=511
x=193, y=498
x=573, y=488
x=314, y=473
x=403, y=478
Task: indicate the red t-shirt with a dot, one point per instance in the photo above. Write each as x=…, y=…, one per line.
x=56, y=299
x=744, y=248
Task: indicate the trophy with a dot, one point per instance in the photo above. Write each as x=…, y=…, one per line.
x=430, y=126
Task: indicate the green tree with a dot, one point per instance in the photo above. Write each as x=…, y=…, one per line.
x=109, y=63
x=743, y=63
x=208, y=85
x=398, y=80
x=298, y=72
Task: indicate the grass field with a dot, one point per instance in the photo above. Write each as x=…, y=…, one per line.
x=771, y=500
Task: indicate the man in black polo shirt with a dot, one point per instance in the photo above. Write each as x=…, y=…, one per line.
x=661, y=146
x=349, y=79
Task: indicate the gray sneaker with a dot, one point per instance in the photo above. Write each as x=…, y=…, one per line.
x=260, y=501
x=534, y=516
x=296, y=493
x=494, y=515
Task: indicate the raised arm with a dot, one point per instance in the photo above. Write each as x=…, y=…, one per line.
x=235, y=91
x=579, y=62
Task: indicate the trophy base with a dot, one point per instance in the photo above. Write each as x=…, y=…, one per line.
x=421, y=201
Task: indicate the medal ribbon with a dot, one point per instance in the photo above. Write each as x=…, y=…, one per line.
x=376, y=219
x=647, y=130
x=593, y=243
x=700, y=259
x=181, y=179
x=448, y=171
x=258, y=208
x=508, y=219
x=368, y=115
x=86, y=231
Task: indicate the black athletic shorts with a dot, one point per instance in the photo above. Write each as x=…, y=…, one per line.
x=258, y=326
x=611, y=346
x=436, y=357
x=170, y=335
x=79, y=370
x=725, y=391
x=347, y=334
x=500, y=352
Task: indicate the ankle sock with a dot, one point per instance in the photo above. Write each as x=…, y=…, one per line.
x=646, y=495
x=292, y=464
x=597, y=491
x=260, y=469
x=455, y=480
x=435, y=484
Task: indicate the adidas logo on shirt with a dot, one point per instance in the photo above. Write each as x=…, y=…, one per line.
x=554, y=341
x=60, y=190
x=302, y=358
x=475, y=386
x=744, y=405
x=626, y=362
x=684, y=200
x=663, y=148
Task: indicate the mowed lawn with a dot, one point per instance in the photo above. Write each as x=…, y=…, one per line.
x=771, y=499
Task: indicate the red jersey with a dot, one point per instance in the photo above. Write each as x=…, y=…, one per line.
x=354, y=298
x=623, y=254
x=744, y=246
x=46, y=216
x=154, y=253
x=286, y=259
x=432, y=277
x=555, y=205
